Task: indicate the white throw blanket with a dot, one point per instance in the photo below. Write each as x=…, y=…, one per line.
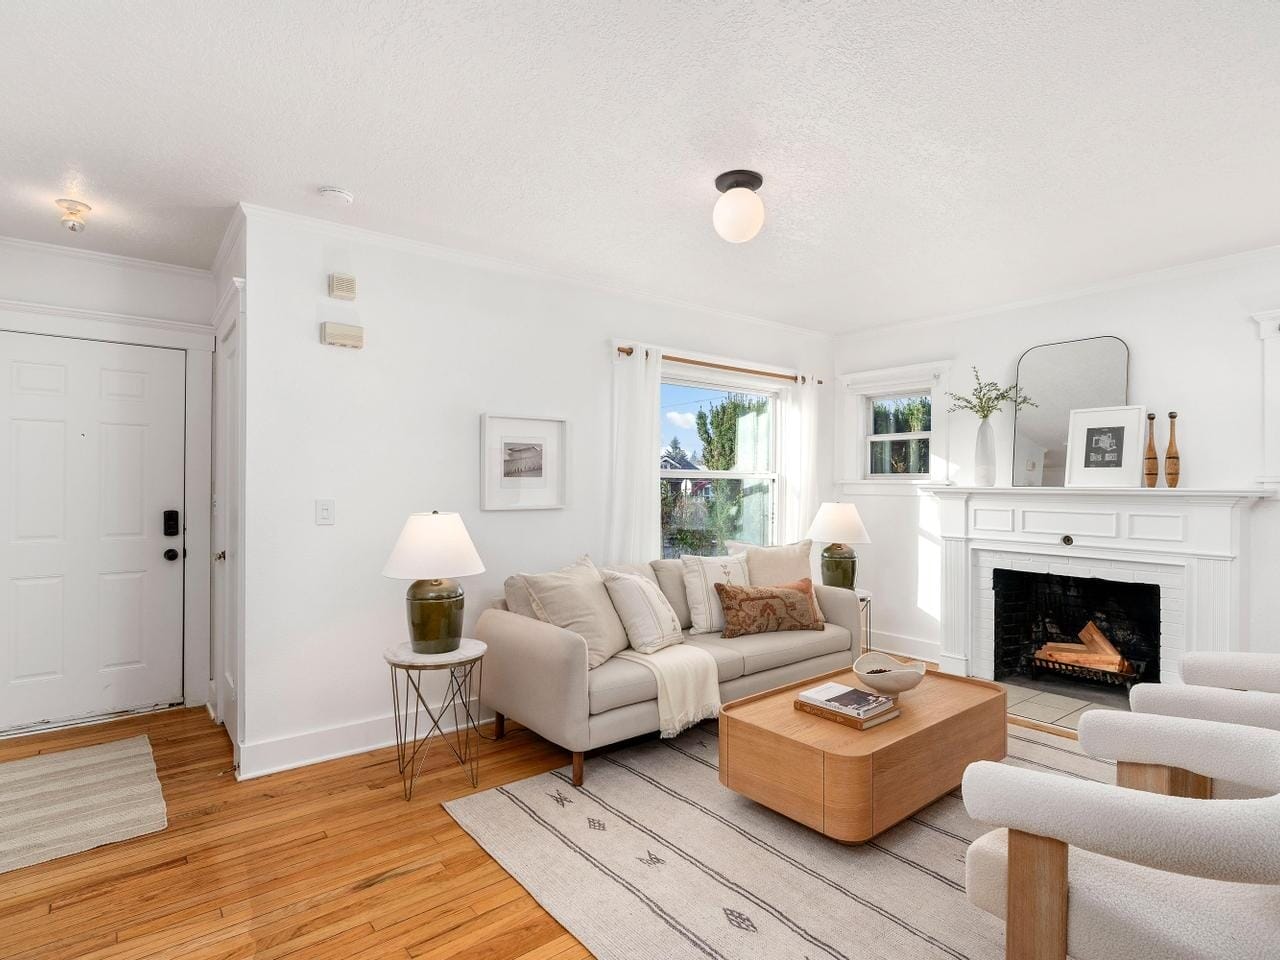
x=688, y=685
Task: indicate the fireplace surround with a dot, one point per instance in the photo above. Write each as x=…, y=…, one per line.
x=1187, y=543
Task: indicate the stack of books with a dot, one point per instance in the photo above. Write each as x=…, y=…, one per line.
x=848, y=705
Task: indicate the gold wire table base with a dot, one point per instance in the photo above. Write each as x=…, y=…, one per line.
x=463, y=740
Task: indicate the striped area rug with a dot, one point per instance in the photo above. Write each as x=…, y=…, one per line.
x=652, y=859
x=62, y=803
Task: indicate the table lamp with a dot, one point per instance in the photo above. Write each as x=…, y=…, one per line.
x=839, y=525
x=434, y=547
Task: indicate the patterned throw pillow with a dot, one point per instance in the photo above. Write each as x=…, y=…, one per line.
x=752, y=610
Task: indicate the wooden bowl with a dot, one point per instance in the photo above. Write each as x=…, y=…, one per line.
x=898, y=677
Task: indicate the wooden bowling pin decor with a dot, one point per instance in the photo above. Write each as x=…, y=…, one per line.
x=1172, y=462
x=1150, y=461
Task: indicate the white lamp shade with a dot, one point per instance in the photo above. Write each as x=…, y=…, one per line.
x=433, y=546
x=738, y=214
x=838, y=523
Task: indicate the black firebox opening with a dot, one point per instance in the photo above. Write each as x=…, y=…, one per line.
x=1032, y=609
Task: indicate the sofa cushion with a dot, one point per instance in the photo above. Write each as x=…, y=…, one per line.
x=768, y=650
x=634, y=569
x=771, y=566
x=701, y=574
x=670, y=576
x=573, y=598
x=645, y=613
x=619, y=683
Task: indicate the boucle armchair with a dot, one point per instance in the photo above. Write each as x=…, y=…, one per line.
x=1146, y=876
x=1239, y=688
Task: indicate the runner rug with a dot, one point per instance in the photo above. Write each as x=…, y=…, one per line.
x=652, y=859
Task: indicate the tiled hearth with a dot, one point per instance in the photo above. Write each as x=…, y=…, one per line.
x=1039, y=703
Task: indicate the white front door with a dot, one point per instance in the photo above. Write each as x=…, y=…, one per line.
x=91, y=588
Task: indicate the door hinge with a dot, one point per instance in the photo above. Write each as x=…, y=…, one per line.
x=220, y=555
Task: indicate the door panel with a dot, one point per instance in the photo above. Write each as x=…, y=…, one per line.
x=91, y=454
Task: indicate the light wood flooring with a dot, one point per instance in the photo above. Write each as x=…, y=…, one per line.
x=323, y=863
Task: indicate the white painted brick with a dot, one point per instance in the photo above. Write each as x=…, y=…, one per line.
x=1120, y=576
x=1168, y=604
x=1062, y=569
x=1171, y=616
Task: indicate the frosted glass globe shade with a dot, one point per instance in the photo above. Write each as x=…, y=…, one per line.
x=738, y=215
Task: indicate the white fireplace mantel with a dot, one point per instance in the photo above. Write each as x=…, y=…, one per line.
x=1186, y=540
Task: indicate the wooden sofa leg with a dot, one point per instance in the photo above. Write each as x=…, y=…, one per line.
x=1170, y=781
x=1036, y=924
x=577, y=769
x=499, y=725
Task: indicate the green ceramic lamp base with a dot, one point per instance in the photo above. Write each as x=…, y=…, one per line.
x=839, y=566
x=435, y=615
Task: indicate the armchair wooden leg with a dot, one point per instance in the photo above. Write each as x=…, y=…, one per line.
x=499, y=725
x=1170, y=781
x=1036, y=924
x=577, y=769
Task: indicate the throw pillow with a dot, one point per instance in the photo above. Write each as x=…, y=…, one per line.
x=646, y=614
x=576, y=599
x=701, y=574
x=752, y=610
x=670, y=574
x=774, y=566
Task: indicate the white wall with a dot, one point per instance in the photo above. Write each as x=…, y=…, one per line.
x=394, y=428
x=49, y=275
x=1193, y=349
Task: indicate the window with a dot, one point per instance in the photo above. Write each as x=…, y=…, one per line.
x=899, y=438
x=717, y=466
x=895, y=428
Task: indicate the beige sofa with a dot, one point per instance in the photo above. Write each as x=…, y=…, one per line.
x=536, y=673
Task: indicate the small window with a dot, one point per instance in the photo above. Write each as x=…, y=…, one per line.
x=898, y=442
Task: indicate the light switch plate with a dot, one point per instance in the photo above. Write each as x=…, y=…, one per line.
x=326, y=513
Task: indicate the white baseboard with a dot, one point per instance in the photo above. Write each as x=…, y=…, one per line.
x=264, y=757
x=904, y=646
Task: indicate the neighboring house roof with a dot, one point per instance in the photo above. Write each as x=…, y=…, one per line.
x=677, y=461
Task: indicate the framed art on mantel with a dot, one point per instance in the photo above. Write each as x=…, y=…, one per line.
x=522, y=463
x=1104, y=447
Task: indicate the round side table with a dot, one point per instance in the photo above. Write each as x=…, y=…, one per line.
x=465, y=668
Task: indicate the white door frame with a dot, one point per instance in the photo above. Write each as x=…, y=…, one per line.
x=227, y=689
x=198, y=344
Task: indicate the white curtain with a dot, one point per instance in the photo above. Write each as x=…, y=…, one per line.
x=634, y=534
x=799, y=450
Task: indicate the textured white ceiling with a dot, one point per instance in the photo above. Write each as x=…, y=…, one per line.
x=919, y=157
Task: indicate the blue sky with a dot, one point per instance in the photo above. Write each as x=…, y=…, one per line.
x=677, y=410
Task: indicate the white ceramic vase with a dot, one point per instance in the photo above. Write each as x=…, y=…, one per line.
x=984, y=456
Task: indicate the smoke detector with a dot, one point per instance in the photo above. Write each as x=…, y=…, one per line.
x=337, y=197
x=73, y=212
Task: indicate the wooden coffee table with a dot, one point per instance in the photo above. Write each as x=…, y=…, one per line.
x=853, y=784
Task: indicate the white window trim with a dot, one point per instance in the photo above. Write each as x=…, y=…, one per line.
x=858, y=390
x=689, y=376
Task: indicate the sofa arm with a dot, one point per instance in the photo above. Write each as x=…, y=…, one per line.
x=840, y=606
x=536, y=674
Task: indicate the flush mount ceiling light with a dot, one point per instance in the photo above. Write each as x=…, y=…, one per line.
x=337, y=197
x=73, y=212
x=739, y=213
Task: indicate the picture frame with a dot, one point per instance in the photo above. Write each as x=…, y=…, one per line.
x=523, y=462
x=1105, y=446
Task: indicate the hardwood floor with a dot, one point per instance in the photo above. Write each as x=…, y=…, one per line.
x=323, y=863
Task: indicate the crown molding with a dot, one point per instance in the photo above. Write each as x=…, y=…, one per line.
x=468, y=258
x=235, y=230
x=98, y=256
x=1175, y=272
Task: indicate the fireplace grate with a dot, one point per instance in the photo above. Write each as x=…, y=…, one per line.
x=1080, y=672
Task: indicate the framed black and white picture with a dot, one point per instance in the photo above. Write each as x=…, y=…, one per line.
x=1104, y=447
x=522, y=463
